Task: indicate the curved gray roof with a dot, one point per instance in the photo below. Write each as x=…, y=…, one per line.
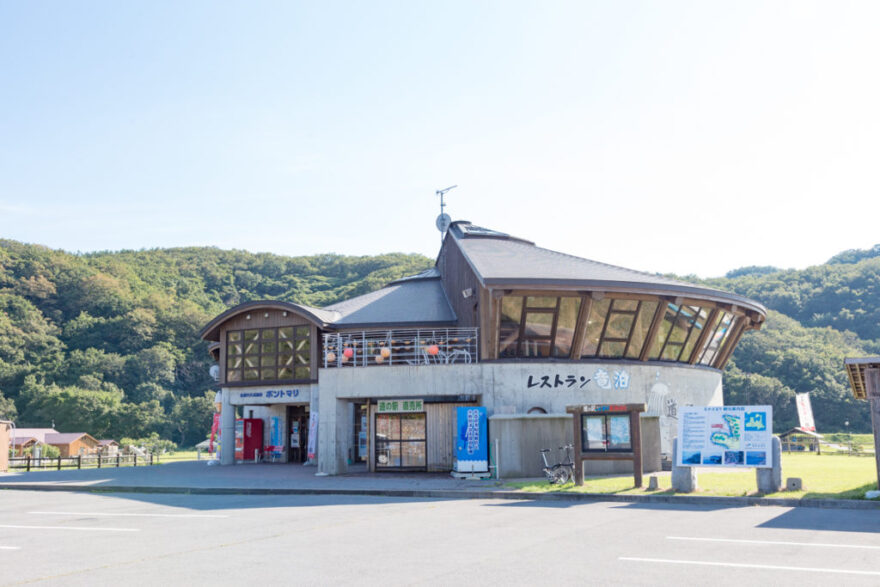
x=500, y=260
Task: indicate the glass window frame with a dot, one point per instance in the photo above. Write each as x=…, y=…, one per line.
x=258, y=361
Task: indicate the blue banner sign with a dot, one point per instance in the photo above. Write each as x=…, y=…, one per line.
x=471, y=440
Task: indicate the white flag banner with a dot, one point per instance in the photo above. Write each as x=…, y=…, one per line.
x=805, y=412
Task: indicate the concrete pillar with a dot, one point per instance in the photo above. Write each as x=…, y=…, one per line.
x=684, y=479
x=770, y=479
x=227, y=430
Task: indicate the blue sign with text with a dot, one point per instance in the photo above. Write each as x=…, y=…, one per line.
x=471, y=439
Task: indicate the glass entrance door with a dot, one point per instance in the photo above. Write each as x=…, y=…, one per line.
x=401, y=441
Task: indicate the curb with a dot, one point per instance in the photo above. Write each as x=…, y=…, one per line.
x=466, y=494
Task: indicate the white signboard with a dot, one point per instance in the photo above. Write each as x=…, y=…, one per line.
x=249, y=396
x=728, y=436
x=805, y=412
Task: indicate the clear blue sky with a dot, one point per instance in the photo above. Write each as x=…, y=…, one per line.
x=688, y=137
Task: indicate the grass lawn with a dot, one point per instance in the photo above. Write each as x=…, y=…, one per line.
x=825, y=476
x=181, y=455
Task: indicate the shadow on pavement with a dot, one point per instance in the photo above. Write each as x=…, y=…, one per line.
x=832, y=520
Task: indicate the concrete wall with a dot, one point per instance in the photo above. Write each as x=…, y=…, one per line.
x=512, y=388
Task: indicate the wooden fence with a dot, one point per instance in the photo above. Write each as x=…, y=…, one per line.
x=30, y=463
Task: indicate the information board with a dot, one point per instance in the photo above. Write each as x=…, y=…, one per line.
x=728, y=436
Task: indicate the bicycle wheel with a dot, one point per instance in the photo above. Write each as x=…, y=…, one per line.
x=561, y=475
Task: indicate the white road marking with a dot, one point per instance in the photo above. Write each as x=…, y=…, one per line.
x=130, y=515
x=17, y=527
x=778, y=542
x=749, y=566
x=10, y=548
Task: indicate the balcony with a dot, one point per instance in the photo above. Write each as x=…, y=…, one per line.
x=379, y=348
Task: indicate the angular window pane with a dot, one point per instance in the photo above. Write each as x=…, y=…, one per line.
x=508, y=331
x=251, y=348
x=696, y=331
x=534, y=348
x=663, y=331
x=268, y=360
x=538, y=324
x=640, y=330
x=285, y=346
x=268, y=334
x=619, y=326
x=251, y=334
x=302, y=373
x=285, y=373
x=233, y=362
x=303, y=344
x=268, y=374
x=251, y=374
x=627, y=305
x=540, y=302
x=565, y=326
x=250, y=361
x=302, y=358
x=670, y=353
x=233, y=375
x=285, y=360
x=302, y=331
x=595, y=323
x=269, y=348
x=612, y=349
x=234, y=349
x=233, y=336
x=387, y=454
x=286, y=332
x=723, y=326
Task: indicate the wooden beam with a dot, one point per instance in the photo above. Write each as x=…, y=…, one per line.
x=730, y=343
x=704, y=336
x=580, y=329
x=659, y=313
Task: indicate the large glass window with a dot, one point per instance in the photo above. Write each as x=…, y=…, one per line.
x=268, y=354
x=537, y=326
x=674, y=336
x=401, y=441
x=606, y=433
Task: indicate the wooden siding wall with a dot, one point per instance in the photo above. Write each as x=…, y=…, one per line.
x=458, y=276
x=440, y=424
x=275, y=319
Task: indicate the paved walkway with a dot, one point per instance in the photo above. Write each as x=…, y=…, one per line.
x=199, y=475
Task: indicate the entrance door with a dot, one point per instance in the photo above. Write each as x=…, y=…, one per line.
x=298, y=434
x=401, y=441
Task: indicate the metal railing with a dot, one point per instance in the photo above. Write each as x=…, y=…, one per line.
x=377, y=348
x=30, y=463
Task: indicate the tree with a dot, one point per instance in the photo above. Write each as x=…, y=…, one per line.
x=191, y=417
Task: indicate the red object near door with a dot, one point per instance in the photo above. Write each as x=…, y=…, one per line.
x=252, y=438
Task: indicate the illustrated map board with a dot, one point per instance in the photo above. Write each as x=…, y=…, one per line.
x=725, y=436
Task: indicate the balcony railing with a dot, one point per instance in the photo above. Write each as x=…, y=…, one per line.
x=378, y=348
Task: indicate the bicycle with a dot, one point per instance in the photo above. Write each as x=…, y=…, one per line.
x=563, y=471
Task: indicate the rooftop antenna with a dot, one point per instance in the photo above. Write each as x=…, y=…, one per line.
x=443, y=221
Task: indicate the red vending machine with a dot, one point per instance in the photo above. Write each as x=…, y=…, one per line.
x=248, y=438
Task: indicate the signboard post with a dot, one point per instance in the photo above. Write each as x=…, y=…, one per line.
x=607, y=432
x=872, y=390
x=725, y=436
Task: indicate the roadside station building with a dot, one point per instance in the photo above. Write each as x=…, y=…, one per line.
x=497, y=322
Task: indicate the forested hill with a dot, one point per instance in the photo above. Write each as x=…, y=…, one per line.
x=107, y=342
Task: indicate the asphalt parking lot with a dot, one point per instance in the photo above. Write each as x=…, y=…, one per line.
x=63, y=538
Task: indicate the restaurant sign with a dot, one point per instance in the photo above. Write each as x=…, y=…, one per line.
x=396, y=406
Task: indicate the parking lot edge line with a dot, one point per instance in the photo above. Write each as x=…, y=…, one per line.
x=749, y=566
